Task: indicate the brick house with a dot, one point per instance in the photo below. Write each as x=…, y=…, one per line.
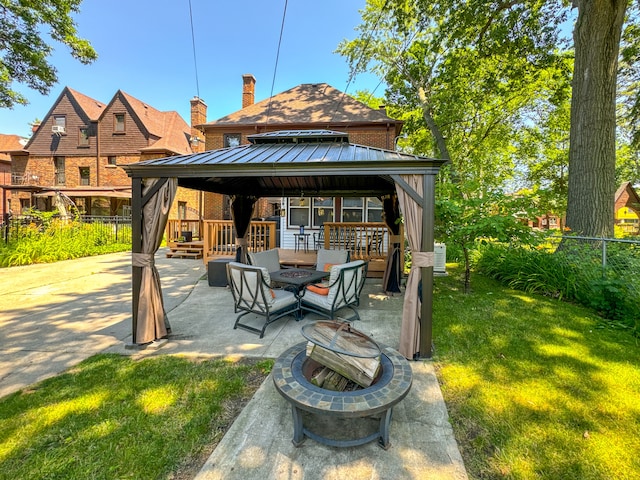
x=8, y=144
x=627, y=209
x=305, y=107
x=76, y=148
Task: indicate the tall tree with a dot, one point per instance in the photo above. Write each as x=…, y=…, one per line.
x=592, y=144
x=523, y=37
x=24, y=52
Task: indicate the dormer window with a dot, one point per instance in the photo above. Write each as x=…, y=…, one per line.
x=118, y=123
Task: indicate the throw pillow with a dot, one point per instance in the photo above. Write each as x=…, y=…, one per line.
x=318, y=289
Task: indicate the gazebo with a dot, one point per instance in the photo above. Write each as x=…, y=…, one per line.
x=287, y=163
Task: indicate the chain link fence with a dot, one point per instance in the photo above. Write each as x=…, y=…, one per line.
x=609, y=269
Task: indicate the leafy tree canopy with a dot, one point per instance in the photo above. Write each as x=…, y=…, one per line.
x=24, y=50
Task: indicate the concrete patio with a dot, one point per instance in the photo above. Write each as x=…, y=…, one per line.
x=48, y=329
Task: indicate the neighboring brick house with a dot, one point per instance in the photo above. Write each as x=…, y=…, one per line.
x=79, y=143
x=8, y=144
x=306, y=107
x=627, y=209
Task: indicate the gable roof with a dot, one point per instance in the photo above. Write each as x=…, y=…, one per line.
x=308, y=103
x=171, y=132
x=92, y=108
x=634, y=199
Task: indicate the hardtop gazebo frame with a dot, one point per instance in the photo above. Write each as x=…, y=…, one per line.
x=284, y=163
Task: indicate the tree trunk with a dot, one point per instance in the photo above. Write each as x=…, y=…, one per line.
x=592, y=155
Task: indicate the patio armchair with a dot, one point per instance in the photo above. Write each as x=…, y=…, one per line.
x=326, y=259
x=252, y=294
x=342, y=291
x=269, y=259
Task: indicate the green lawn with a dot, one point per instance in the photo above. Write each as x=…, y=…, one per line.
x=536, y=388
x=114, y=418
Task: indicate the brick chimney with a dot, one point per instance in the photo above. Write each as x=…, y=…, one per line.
x=198, y=117
x=248, y=90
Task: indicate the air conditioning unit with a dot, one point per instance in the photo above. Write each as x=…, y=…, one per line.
x=57, y=129
x=440, y=259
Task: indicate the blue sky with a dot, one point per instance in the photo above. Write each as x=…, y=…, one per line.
x=145, y=49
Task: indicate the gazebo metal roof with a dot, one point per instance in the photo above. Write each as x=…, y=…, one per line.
x=290, y=163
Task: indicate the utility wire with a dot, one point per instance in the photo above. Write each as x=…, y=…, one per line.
x=193, y=43
x=275, y=68
x=352, y=75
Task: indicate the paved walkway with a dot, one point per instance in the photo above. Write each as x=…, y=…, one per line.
x=53, y=316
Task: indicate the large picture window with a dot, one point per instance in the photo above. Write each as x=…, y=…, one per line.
x=374, y=209
x=322, y=211
x=352, y=210
x=361, y=209
x=299, y=209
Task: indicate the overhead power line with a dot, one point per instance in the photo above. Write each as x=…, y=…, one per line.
x=193, y=43
x=275, y=67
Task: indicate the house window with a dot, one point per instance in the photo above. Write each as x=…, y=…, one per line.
x=182, y=210
x=322, y=211
x=60, y=121
x=118, y=123
x=299, y=210
x=352, y=209
x=85, y=176
x=58, y=170
x=374, y=209
x=112, y=160
x=232, y=139
x=83, y=137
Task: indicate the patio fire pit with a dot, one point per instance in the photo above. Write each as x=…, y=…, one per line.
x=292, y=374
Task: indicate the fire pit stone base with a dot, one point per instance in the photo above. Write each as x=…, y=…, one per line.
x=389, y=388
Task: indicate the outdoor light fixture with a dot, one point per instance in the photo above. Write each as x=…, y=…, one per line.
x=194, y=140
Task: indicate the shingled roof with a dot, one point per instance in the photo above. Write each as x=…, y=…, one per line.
x=169, y=127
x=91, y=107
x=308, y=103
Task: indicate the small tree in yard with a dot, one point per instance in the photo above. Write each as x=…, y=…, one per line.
x=464, y=221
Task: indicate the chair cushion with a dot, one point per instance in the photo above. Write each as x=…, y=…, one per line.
x=335, y=274
x=251, y=277
x=282, y=299
x=334, y=257
x=269, y=259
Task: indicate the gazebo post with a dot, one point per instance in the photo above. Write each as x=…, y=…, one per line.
x=136, y=247
x=428, y=220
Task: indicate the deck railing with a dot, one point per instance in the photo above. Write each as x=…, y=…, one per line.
x=220, y=237
x=181, y=230
x=367, y=241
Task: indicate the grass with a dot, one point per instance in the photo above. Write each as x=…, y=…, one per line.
x=114, y=417
x=536, y=388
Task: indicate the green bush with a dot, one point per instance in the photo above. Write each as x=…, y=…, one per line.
x=56, y=240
